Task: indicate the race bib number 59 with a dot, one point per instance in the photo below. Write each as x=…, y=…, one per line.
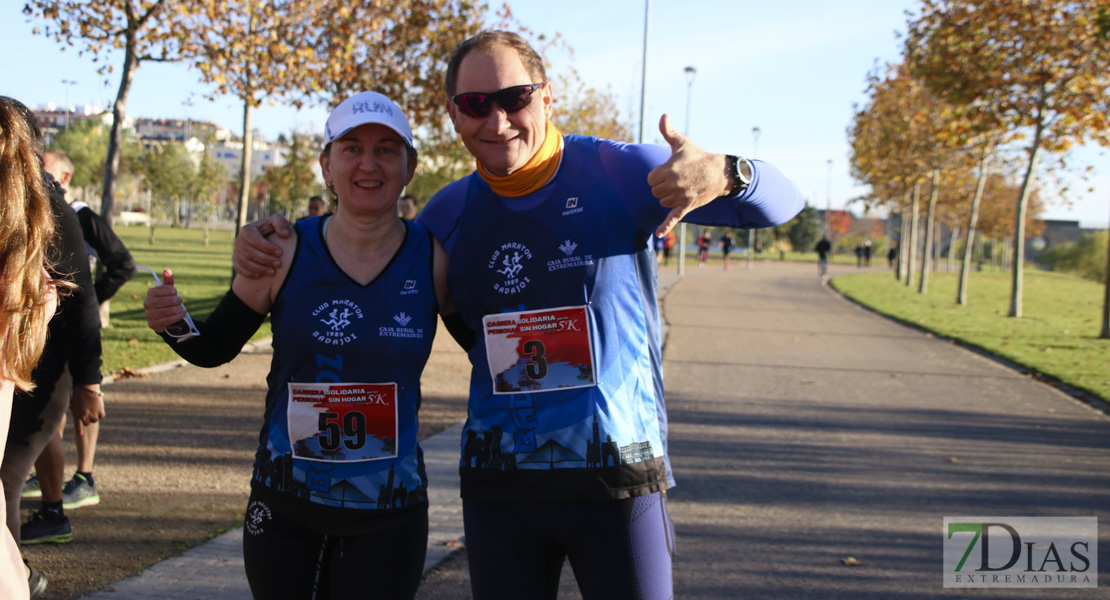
x=539, y=350
x=343, y=422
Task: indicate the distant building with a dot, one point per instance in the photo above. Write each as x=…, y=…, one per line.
x=51, y=118
x=178, y=129
x=1056, y=232
x=264, y=155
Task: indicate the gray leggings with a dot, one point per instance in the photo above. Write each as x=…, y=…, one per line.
x=35, y=418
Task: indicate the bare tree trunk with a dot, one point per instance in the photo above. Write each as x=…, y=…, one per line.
x=972, y=223
x=913, y=234
x=903, y=241
x=245, y=167
x=977, y=253
x=937, y=229
x=115, y=138
x=930, y=224
x=1105, y=333
x=1018, y=283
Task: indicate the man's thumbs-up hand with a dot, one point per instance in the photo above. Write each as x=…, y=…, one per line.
x=691, y=178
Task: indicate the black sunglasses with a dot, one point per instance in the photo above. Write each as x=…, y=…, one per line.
x=478, y=104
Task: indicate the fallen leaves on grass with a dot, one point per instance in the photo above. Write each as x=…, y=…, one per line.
x=126, y=373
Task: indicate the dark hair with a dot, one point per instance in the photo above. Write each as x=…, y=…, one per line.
x=28, y=118
x=489, y=38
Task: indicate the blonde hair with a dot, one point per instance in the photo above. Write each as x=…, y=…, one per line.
x=26, y=227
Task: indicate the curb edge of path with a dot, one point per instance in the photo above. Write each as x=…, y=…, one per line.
x=1077, y=393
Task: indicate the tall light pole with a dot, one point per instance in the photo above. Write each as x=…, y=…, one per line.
x=751, y=232
x=690, y=73
x=188, y=103
x=68, y=83
x=643, y=73
x=828, y=200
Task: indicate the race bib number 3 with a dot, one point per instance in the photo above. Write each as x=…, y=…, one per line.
x=539, y=350
x=343, y=422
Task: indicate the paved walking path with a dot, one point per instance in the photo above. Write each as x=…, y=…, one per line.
x=804, y=430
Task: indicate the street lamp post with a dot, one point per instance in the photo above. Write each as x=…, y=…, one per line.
x=643, y=73
x=188, y=103
x=751, y=232
x=68, y=83
x=690, y=73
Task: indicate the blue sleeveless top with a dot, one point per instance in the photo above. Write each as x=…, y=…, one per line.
x=554, y=413
x=344, y=384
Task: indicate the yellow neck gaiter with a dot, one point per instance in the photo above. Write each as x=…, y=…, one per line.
x=533, y=175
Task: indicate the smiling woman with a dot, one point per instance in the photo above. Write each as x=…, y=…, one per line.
x=339, y=492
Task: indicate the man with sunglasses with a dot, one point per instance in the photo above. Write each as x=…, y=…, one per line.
x=551, y=269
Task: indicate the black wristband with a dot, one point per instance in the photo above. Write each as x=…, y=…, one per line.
x=458, y=330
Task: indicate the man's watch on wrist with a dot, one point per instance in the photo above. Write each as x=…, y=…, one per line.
x=735, y=168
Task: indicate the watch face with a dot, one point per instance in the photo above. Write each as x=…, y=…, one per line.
x=740, y=176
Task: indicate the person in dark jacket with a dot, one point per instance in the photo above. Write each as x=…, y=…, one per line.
x=68, y=374
x=114, y=266
x=823, y=247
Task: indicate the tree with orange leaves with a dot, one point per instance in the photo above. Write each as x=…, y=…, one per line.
x=146, y=31
x=256, y=51
x=1036, y=67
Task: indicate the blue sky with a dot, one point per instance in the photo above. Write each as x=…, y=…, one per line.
x=793, y=69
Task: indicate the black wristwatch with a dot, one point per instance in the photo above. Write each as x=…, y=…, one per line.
x=735, y=171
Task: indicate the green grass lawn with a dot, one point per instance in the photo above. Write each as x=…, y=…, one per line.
x=1057, y=336
x=202, y=276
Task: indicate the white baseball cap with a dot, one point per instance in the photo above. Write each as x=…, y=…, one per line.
x=363, y=108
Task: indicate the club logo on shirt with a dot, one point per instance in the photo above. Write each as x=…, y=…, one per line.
x=509, y=261
x=572, y=206
x=568, y=247
x=257, y=515
x=335, y=318
x=410, y=288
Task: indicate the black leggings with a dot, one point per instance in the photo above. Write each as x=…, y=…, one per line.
x=287, y=560
x=619, y=549
x=35, y=418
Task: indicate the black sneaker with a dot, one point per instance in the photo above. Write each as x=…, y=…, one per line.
x=36, y=581
x=41, y=529
x=79, y=492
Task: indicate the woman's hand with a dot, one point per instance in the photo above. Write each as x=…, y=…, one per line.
x=162, y=305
